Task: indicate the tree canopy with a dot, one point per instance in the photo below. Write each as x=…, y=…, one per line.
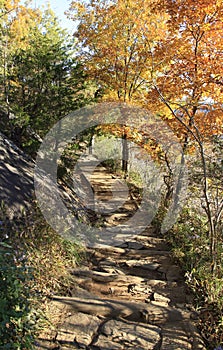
x=116, y=41
x=41, y=79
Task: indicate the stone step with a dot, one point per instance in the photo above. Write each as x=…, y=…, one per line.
x=137, y=312
x=119, y=334
x=131, y=245
x=105, y=249
x=174, y=325
x=146, y=252
x=105, y=277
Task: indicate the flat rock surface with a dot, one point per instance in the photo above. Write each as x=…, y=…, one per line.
x=125, y=296
x=124, y=335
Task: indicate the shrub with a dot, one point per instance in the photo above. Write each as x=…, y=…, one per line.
x=15, y=312
x=190, y=246
x=29, y=251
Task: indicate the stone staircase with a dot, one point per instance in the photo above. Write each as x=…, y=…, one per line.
x=128, y=296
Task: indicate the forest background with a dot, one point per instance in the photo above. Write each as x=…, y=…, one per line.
x=163, y=56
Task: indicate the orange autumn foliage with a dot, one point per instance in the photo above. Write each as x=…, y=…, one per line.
x=117, y=40
x=191, y=80
x=165, y=55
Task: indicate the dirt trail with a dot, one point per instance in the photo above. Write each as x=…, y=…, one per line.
x=128, y=296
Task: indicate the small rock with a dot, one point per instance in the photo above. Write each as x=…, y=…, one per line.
x=111, y=290
x=131, y=287
x=160, y=298
x=150, y=266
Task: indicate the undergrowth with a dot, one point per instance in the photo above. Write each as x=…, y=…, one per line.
x=190, y=247
x=34, y=265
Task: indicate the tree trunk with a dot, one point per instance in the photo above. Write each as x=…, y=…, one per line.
x=125, y=154
x=91, y=144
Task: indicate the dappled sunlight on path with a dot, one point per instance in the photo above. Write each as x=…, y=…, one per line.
x=129, y=295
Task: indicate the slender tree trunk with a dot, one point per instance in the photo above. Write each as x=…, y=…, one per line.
x=91, y=144
x=210, y=216
x=125, y=154
x=5, y=76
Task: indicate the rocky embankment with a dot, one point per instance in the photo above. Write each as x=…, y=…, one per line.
x=16, y=178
